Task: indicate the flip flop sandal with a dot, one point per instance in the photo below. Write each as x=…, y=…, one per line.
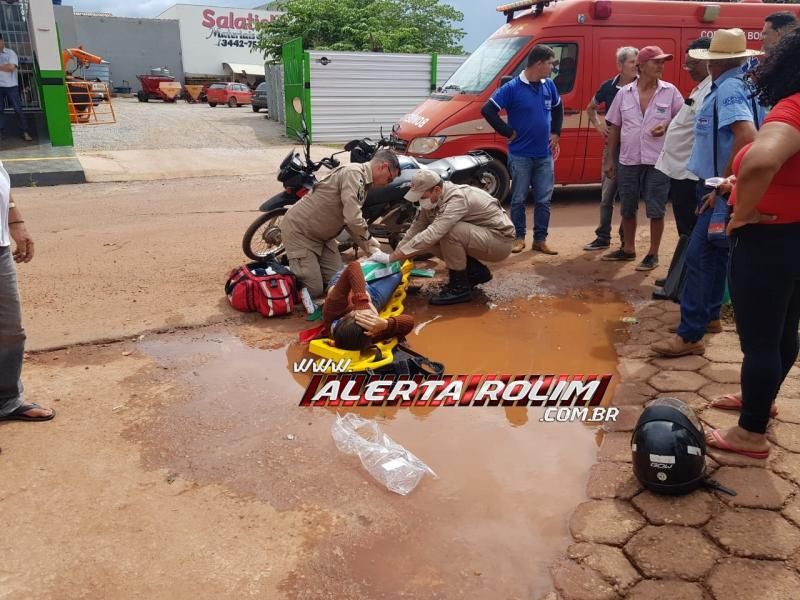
x=735, y=404
x=720, y=444
x=19, y=414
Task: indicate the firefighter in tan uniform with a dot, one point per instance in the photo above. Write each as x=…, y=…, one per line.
x=310, y=227
x=461, y=224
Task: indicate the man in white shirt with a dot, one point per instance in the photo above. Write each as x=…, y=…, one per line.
x=9, y=88
x=678, y=143
x=12, y=335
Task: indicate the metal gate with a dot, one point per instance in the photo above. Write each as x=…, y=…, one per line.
x=14, y=27
x=296, y=83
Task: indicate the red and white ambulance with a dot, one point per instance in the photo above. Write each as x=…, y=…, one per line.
x=585, y=35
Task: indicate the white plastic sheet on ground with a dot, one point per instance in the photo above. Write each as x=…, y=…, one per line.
x=388, y=462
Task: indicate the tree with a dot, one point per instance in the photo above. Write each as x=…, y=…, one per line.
x=414, y=26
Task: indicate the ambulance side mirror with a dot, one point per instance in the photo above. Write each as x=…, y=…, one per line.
x=504, y=80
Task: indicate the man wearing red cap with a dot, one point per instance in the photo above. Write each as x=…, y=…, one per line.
x=639, y=117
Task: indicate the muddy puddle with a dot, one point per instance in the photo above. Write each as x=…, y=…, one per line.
x=492, y=523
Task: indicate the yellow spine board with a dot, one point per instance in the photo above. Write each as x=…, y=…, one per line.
x=361, y=361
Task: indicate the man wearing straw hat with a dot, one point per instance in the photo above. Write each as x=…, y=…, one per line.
x=726, y=122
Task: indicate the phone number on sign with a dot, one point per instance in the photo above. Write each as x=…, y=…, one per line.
x=237, y=43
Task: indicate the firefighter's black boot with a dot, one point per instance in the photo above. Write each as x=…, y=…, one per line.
x=456, y=291
x=477, y=272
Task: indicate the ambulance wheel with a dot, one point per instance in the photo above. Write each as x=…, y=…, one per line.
x=495, y=180
x=141, y=95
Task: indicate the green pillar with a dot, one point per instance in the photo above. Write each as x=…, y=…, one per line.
x=55, y=107
x=434, y=70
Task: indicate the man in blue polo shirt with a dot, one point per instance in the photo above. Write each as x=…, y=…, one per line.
x=535, y=116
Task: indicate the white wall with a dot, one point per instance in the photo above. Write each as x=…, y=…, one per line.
x=212, y=35
x=43, y=31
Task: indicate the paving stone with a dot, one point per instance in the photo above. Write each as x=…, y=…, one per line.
x=670, y=318
x=646, y=337
x=608, y=480
x=671, y=308
x=713, y=390
x=651, y=324
x=605, y=522
x=788, y=410
x=551, y=596
x=692, y=510
x=609, y=561
x=722, y=372
x=740, y=579
x=731, y=459
x=724, y=354
x=626, y=419
x=635, y=370
x=682, y=363
x=788, y=465
x=786, y=435
x=790, y=388
x=666, y=589
x=616, y=447
x=651, y=311
x=723, y=340
x=792, y=511
x=635, y=351
x=753, y=533
x=717, y=418
x=695, y=401
x=755, y=487
x=677, y=381
x=633, y=394
x=672, y=552
x=576, y=582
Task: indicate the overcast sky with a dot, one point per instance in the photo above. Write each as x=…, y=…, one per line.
x=479, y=23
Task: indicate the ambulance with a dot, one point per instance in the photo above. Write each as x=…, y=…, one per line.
x=585, y=35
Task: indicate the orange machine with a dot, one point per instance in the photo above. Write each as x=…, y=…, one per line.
x=84, y=97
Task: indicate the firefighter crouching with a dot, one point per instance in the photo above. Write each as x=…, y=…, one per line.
x=460, y=224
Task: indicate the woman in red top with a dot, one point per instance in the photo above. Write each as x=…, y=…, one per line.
x=352, y=319
x=764, y=268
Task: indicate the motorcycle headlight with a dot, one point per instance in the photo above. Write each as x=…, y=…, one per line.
x=425, y=145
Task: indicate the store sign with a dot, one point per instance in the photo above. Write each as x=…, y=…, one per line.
x=212, y=35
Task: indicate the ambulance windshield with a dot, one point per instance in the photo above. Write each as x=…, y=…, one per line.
x=483, y=65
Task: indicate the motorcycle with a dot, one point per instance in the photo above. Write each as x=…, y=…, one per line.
x=387, y=213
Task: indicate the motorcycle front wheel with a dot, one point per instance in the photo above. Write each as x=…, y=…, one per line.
x=263, y=238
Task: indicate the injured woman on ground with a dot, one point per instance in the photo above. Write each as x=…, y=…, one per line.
x=351, y=310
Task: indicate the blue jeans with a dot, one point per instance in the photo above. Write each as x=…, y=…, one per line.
x=536, y=174
x=12, y=94
x=12, y=336
x=706, y=269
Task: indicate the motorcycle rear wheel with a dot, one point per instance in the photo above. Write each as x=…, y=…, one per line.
x=263, y=240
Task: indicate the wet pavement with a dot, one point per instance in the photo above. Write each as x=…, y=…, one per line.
x=491, y=524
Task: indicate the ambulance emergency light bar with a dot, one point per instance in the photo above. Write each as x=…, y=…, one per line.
x=601, y=9
x=509, y=9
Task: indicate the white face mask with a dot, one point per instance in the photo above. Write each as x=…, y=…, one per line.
x=426, y=203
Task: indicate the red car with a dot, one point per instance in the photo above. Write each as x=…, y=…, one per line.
x=232, y=94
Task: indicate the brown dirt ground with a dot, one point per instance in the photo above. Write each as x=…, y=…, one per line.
x=143, y=487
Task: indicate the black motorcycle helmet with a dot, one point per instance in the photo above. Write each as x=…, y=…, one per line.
x=669, y=448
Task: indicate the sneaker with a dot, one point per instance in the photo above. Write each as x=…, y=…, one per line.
x=597, y=244
x=517, y=246
x=660, y=282
x=677, y=346
x=543, y=248
x=620, y=255
x=26, y=136
x=648, y=263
